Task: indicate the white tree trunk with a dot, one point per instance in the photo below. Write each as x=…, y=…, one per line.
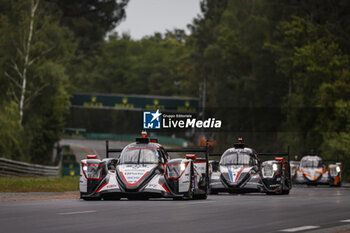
x=34, y=6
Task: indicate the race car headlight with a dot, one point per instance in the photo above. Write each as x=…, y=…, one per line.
x=268, y=170
x=274, y=167
x=92, y=171
x=338, y=169
x=223, y=169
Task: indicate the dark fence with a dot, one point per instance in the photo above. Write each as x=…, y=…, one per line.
x=15, y=168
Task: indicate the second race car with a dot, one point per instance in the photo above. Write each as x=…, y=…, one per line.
x=240, y=171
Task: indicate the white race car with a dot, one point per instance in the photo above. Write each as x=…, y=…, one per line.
x=241, y=171
x=145, y=170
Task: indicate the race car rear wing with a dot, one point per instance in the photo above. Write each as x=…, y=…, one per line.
x=109, y=150
x=282, y=154
x=332, y=160
x=313, y=153
x=191, y=150
x=215, y=154
x=274, y=154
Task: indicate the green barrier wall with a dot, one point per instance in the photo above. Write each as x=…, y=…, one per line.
x=70, y=167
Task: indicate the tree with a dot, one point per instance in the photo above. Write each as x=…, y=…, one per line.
x=11, y=133
x=230, y=54
x=90, y=20
x=156, y=65
x=35, y=50
x=26, y=61
x=309, y=56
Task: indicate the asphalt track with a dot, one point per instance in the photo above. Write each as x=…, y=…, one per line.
x=315, y=208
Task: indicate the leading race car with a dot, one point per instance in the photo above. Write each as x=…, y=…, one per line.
x=240, y=171
x=313, y=171
x=145, y=170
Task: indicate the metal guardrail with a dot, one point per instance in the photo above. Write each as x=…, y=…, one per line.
x=15, y=168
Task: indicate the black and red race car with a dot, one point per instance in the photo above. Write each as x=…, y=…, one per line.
x=145, y=170
x=240, y=170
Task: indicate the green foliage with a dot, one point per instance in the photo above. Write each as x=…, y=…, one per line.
x=309, y=56
x=155, y=65
x=90, y=20
x=44, y=124
x=290, y=56
x=46, y=96
x=39, y=184
x=11, y=133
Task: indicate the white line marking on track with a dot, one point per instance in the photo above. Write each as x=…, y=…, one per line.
x=346, y=220
x=303, y=228
x=78, y=212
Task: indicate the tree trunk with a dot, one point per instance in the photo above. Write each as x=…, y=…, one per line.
x=33, y=8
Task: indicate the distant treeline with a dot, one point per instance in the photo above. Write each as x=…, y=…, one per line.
x=253, y=55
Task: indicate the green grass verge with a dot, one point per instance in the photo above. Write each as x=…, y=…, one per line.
x=39, y=184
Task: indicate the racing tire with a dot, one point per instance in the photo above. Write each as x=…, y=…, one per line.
x=336, y=185
x=137, y=198
x=213, y=192
x=201, y=196
x=190, y=194
x=285, y=192
x=91, y=198
x=279, y=192
x=111, y=198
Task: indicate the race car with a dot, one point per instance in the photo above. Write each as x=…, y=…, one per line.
x=275, y=175
x=240, y=171
x=144, y=170
x=313, y=171
x=294, y=166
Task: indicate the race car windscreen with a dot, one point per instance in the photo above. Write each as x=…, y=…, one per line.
x=311, y=163
x=236, y=158
x=139, y=156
